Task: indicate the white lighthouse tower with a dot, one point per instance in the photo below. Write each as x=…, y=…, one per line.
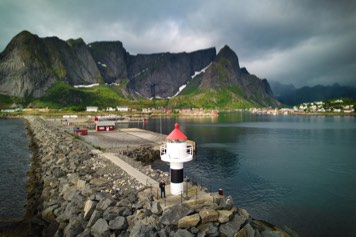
x=176, y=152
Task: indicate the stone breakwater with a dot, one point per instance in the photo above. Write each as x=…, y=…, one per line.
x=74, y=192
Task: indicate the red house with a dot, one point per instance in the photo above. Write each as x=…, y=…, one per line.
x=82, y=132
x=104, y=126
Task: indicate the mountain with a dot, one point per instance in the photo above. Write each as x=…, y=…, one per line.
x=289, y=95
x=30, y=65
x=224, y=76
x=34, y=67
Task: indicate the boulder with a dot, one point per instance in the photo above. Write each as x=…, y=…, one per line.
x=119, y=223
x=246, y=231
x=243, y=212
x=99, y=182
x=224, y=216
x=81, y=185
x=94, y=217
x=100, y=228
x=274, y=233
x=171, y=215
x=208, y=215
x=141, y=230
x=68, y=192
x=183, y=233
x=89, y=208
x=124, y=211
x=156, y=208
x=208, y=229
x=103, y=204
x=189, y=221
x=226, y=203
x=111, y=213
x=85, y=233
x=74, y=228
x=48, y=213
x=230, y=228
x=124, y=203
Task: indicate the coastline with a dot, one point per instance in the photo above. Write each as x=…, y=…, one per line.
x=73, y=192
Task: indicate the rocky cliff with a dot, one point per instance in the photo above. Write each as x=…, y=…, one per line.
x=164, y=73
x=30, y=65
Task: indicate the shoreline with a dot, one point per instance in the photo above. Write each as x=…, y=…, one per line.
x=73, y=191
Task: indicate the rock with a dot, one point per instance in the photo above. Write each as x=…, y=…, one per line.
x=89, y=208
x=94, y=217
x=100, y=228
x=208, y=215
x=246, y=231
x=110, y=213
x=81, y=185
x=273, y=233
x=226, y=203
x=224, y=216
x=124, y=203
x=171, y=215
x=73, y=229
x=132, y=197
x=103, y=204
x=48, y=214
x=119, y=223
x=124, y=211
x=100, y=182
x=183, y=233
x=85, y=233
x=140, y=230
x=208, y=229
x=156, y=208
x=189, y=221
x=68, y=192
x=230, y=228
x=244, y=213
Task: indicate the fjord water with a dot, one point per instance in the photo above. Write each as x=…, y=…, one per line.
x=14, y=165
x=295, y=171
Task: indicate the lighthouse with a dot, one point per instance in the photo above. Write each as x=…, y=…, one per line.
x=176, y=152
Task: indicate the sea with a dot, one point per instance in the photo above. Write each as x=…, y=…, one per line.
x=15, y=157
x=295, y=171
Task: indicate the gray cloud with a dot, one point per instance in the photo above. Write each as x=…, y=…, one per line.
x=300, y=42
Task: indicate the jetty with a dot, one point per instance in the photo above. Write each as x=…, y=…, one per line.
x=123, y=137
x=77, y=190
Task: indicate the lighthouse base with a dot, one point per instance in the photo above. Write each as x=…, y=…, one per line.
x=176, y=188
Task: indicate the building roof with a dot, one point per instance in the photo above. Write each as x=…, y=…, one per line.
x=105, y=123
x=176, y=134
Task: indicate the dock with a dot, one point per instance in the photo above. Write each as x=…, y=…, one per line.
x=124, y=137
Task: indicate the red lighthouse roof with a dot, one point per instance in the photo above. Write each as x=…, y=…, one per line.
x=176, y=134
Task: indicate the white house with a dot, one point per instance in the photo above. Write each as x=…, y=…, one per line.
x=110, y=109
x=92, y=109
x=122, y=108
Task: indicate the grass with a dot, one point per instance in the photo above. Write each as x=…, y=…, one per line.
x=220, y=98
x=65, y=97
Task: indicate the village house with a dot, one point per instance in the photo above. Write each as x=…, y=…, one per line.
x=122, y=108
x=110, y=109
x=92, y=109
x=101, y=126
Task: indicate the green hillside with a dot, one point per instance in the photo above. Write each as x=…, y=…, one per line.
x=218, y=98
x=62, y=95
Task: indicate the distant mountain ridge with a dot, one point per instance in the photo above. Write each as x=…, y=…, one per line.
x=30, y=66
x=289, y=95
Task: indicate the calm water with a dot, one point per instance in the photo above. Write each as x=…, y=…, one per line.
x=14, y=164
x=295, y=171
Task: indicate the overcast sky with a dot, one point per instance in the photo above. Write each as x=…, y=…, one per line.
x=300, y=42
